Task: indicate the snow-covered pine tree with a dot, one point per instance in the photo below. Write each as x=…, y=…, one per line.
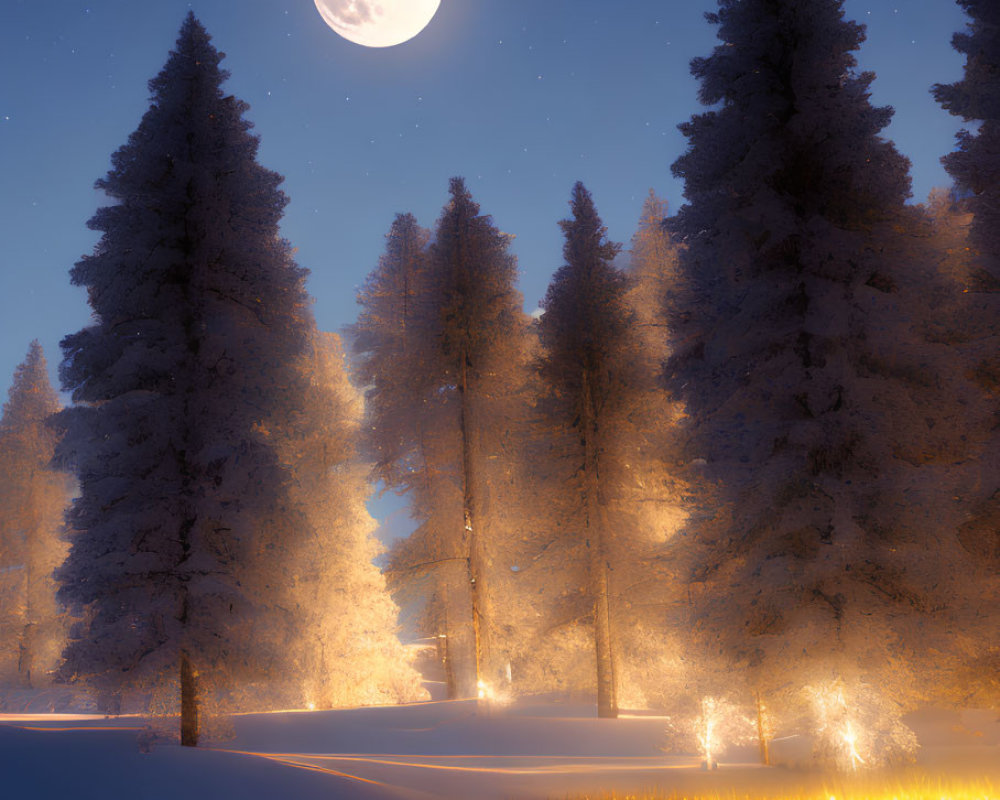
x=478, y=326
x=409, y=438
x=824, y=425
x=469, y=313
x=199, y=316
x=648, y=507
x=653, y=268
x=390, y=339
x=585, y=324
x=975, y=167
x=553, y=609
x=552, y=613
x=33, y=499
x=346, y=647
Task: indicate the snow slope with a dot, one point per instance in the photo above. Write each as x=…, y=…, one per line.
x=430, y=750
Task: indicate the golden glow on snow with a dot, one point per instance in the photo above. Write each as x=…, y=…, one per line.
x=719, y=724
x=906, y=788
x=14, y=717
x=851, y=741
x=837, y=725
x=706, y=736
x=488, y=692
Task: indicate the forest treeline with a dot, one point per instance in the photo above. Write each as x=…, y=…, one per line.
x=750, y=457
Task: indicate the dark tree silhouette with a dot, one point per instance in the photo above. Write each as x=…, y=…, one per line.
x=975, y=163
x=975, y=167
x=822, y=423
x=199, y=315
x=390, y=340
x=582, y=331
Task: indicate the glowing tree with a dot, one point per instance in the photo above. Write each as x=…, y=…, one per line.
x=199, y=316
x=438, y=371
x=33, y=497
x=647, y=508
x=653, y=268
x=476, y=323
x=408, y=435
x=824, y=425
x=346, y=647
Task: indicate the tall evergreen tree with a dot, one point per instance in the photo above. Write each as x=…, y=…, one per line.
x=635, y=508
x=653, y=267
x=199, y=315
x=649, y=508
x=33, y=498
x=975, y=167
x=816, y=416
x=478, y=321
x=585, y=323
x=392, y=343
x=346, y=648
x=468, y=316
x=409, y=437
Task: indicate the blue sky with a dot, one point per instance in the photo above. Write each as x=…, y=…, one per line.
x=522, y=97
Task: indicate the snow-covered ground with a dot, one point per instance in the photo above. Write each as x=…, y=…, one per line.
x=430, y=750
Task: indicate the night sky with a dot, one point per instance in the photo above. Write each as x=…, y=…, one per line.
x=522, y=97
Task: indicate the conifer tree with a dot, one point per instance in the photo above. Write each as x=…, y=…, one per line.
x=822, y=424
x=585, y=323
x=478, y=321
x=346, y=648
x=548, y=588
x=391, y=340
x=33, y=498
x=653, y=268
x=199, y=315
x=975, y=167
x=468, y=317
x=648, y=511
x=408, y=436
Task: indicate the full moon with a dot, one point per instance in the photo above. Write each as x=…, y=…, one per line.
x=377, y=23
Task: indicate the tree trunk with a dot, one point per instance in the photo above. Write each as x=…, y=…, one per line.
x=473, y=556
x=189, y=703
x=763, y=737
x=189, y=677
x=26, y=645
x=607, y=695
x=444, y=649
x=25, y=655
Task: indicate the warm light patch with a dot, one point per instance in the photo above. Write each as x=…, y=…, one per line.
x=489, y=693
x=54, y=717
x=851, y=743
x=916, y=788
x=718, y=724
x=836, y=727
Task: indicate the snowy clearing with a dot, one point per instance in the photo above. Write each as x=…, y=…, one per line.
x=429, y=750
